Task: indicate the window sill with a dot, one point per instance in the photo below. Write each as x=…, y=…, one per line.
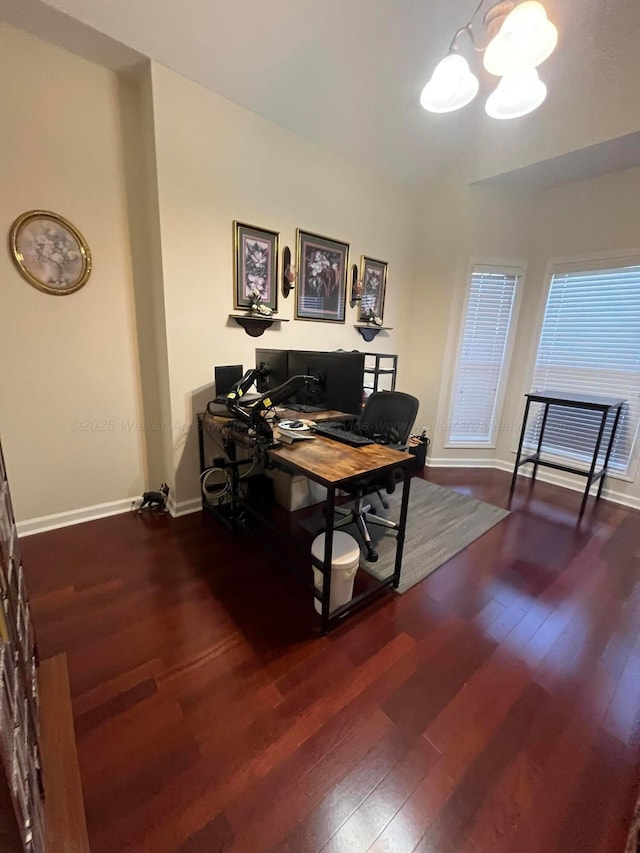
x=471, y=445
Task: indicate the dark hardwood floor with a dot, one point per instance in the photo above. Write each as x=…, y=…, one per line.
x=493, y=708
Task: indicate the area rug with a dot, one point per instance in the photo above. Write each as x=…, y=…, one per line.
x=440, y=524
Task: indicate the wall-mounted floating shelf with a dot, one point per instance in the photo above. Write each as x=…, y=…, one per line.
x=255, y=325
x=369, y=332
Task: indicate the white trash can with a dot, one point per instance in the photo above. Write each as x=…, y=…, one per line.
x=345, y=559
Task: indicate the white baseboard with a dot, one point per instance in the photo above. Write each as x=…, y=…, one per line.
x=73, y=516
x=577, y=485
x=91, y=513
x=544, y=474
x=184, y=507
x=460, y=463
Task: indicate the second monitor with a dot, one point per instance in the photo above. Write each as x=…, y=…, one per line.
x=275, y=366
x=341, y=376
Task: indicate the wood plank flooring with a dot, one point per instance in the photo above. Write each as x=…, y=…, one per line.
x=64, y=813
x=494, y=708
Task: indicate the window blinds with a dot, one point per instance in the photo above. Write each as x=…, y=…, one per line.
x=481, y=356
x=590, y=342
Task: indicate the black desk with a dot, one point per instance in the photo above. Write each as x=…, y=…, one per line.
x=594, y=403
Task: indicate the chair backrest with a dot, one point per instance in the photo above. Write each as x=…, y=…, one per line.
x=388, y=417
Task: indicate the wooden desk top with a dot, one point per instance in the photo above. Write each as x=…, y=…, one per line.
x=284, y=413
x=329, y=415
x=331, y=463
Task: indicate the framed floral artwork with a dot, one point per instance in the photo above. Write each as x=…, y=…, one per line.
x=322, y=266
x=50, y=252
x=373, y=275
x=255, y=266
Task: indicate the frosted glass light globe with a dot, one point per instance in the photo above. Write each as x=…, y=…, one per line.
x=525, y=39
x=452, y=86
x=516, y=95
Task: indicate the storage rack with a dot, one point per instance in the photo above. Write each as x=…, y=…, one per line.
x=21, y=790
x=379, y=372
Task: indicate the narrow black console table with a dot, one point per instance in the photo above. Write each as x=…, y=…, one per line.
x=592, y=402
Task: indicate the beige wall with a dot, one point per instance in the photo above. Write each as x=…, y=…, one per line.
x=581, y=220
x=68, y=363
x=217, y=162
x=154, y=179
x=462, y=222
x=154, y=169
x=138, y=140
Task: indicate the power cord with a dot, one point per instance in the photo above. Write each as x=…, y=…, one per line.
x=215, y=495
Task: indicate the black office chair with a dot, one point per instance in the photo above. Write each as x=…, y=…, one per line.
x=387, y=418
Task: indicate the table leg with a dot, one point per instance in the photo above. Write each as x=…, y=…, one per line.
x=328, y=555
x=519, y=454
x=540, y=437
x=609, y=450
x=402, y=524
x=201, y=455
x=593, y=464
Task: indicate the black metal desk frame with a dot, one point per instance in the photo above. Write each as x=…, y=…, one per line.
x=594, y=403
x=329, y=619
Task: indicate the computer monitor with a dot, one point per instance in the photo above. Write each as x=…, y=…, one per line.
x=341, y=376
x=275, y=363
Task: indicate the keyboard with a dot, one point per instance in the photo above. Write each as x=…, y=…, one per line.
x=304, y=408
x=334, y=431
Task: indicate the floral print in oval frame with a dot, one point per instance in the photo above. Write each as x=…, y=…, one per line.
x=50, y=252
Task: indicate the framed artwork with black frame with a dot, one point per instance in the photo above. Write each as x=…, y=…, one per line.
x=322, y=278
x=373, y=275
x=255, y=267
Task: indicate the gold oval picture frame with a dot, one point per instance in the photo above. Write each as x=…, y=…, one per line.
x=50, y=252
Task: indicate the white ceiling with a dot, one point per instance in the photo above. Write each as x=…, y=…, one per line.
x=344, y=73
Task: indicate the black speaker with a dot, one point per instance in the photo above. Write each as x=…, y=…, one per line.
x=226, y=377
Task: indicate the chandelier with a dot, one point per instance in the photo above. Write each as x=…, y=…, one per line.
x=521, y=37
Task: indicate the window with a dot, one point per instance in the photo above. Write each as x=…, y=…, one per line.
x=483, y=345
x=590, y=342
